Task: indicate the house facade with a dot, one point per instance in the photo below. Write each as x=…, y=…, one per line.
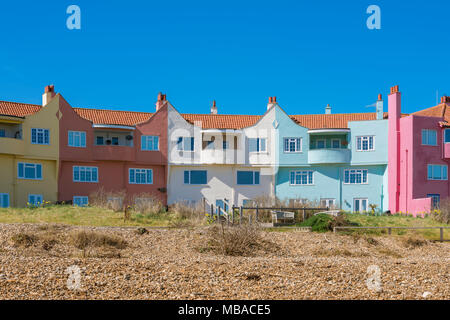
x=419, y=154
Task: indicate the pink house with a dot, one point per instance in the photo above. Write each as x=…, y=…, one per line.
x=114, y=150
x=418, y=156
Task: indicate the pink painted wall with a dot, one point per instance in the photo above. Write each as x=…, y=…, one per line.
x=113, y=162
x=408, y=172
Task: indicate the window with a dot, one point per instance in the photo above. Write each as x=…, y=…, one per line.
x=225, y=145
x=4, y=200
x=80, y=201
x=429, y=137
x=435, y=200
x=365, y=143
x=195, y=177
x=140, y=176
x=327, y=203
x=437, y=172
x=29, y=171
x=360, y=204
x=301, y=178
x=355, y=176
x=210, y=145
x=185, y=143
x=320, y=144
x=447, y=135
x=257, y=144
x=336, y=144
x=77, y=139
x=40, y=136
x=115, y=141
x=149, y=143
x=2, y=133
x=248, y=177
x=35, y=199
x=85, y=174
x=292, y=145
x=100, y=141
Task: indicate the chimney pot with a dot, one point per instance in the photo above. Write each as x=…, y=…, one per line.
x=214, y=107
x=395, y=89
x=160, y=101
x=270, y=99
x=274, y=99
x=380, y=97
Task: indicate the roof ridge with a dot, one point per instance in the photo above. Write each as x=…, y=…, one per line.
x=28, y=104
x=96, y=109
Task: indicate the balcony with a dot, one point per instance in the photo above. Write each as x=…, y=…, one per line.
x=12, y=146
x=114, y=153
x=329, y=156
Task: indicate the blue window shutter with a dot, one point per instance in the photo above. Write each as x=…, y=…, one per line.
x=186, y=177
x=256, y=177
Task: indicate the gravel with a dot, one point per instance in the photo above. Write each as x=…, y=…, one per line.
x=174, y=264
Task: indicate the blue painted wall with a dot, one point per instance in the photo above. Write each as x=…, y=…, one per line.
x=377, y=128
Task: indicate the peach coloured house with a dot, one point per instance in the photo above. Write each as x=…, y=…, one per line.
x=120, y=151
x=419, y=154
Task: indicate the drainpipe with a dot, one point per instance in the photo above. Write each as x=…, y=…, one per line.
x=406, y=184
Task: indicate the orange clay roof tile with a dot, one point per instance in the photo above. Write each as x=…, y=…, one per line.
x=18, y=109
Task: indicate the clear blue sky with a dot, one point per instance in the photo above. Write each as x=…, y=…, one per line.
x=307, y=53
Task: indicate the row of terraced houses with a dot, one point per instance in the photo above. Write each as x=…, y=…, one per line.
x=54, y=152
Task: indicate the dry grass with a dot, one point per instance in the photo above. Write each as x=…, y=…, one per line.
x=443, y=214
x=193, y=215
x=414, y=242
x=23, y=239
x=389, y=252
x=146, y=203
x=242, y=240
x=84, y=239
x=112, y=200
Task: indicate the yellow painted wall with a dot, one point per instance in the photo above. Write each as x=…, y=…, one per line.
x=12, y=152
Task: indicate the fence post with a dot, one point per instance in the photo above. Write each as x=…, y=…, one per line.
x=232, y=216
x=304, y=215
x=442, y=234
x=256, y=213
x=389, y=231
x=240, y=214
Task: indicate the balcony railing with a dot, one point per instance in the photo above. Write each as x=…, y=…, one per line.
x=12, y=146
x=117, y=153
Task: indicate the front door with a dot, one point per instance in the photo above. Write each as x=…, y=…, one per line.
x=360, y=205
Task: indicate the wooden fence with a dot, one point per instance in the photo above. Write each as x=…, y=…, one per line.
x=441, y=229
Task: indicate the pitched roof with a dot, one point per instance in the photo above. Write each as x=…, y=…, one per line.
x=209, y=121
x=332, y=121
x=441, y=110
x=222, y=121
x=115, y=117
x=18, y=109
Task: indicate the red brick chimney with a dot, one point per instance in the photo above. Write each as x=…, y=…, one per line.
x=49, y=93
x=272, y=102
x=161, y=101
x=214, y=108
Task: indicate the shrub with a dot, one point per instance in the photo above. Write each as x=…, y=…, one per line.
x=147, y=203
x=112, y=200
x=83, y=239
x=240, y=240
x=443, y=214
x=324, y=222
x=23, y=239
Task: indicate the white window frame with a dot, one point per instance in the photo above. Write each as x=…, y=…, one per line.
x=42, y=131
x=327, y=202
x=360, y=199
x=425, y=133
x=80, y=135
x=86, y=169
x=181, y=146
x=363, y=138
x=356, y=171
x=2, y=205
x=82, y=198
x=258, y=145
x=195, y=184
x=147, y=138
x=298, y=141
x=141, y=171
x=324, y=143
x=36, y=195
x=26, y=164
x=338, y=140
x=442, y=172
x=309, y=178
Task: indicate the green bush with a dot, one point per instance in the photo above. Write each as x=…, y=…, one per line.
x=324, y=222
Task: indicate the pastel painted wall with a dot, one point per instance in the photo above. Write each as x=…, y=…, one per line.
x=112, y=162
x=22, y=150
x=376, y=128
x=328, y=183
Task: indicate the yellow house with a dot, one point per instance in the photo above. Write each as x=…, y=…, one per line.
x=29, y=151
